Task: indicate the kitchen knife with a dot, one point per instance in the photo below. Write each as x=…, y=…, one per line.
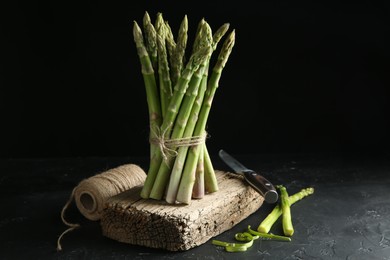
x=258, y=182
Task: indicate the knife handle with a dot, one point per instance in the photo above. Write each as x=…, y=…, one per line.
x=262, y=185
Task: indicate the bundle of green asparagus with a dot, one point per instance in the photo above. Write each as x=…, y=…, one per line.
x=179, y=95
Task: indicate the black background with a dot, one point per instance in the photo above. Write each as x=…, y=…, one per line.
x=302, y=77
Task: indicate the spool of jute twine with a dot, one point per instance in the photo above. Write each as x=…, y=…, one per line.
x=91, y=194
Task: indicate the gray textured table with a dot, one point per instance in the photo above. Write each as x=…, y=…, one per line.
x=348, y=216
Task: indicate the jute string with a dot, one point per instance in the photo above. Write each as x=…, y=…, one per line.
x=168, y=146
x=91, y=194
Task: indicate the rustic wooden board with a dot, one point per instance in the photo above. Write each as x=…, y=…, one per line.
x=156, y=224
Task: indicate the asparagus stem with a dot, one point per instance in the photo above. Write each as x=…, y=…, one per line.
x=199, y=185
x=288, y=228
x=188, y=176
x=179, y=51
x=149, y=82
x=193, y=64
x=237, y=247
x=266, y=225
x=150, y=39
x=211, y=184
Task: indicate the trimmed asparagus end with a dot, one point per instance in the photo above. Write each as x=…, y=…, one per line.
x=267, y=223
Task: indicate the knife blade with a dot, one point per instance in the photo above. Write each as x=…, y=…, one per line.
x=257, y=181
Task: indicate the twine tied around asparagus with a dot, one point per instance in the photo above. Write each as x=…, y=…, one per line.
x=168, y=146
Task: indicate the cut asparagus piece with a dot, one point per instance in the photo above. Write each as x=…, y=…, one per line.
x=268, y=236
x=266, y=225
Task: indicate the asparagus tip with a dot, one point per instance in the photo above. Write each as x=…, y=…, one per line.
x=225, y=52
x=146, y=18
x=220, y=33
x=137, y=33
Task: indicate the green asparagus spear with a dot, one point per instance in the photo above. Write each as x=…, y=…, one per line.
x=149, y=82
x=163, y=71
x=211, y=184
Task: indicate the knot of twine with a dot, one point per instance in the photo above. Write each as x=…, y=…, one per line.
x=91, y=194
x=168, y=146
